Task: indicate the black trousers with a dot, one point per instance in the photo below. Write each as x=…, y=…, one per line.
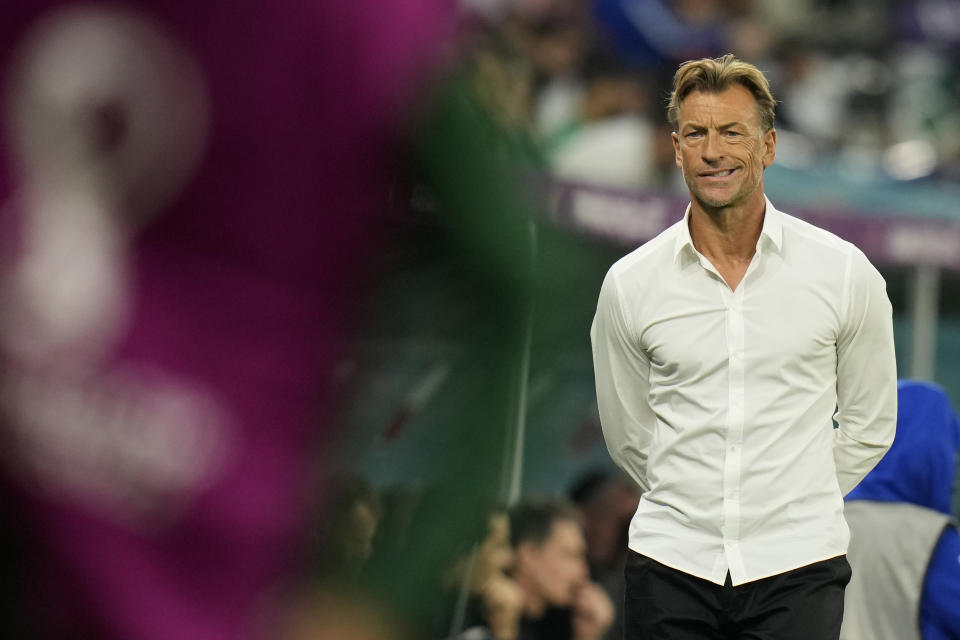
x=662, y=603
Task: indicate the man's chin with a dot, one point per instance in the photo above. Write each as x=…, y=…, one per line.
x=709, y=200
x=714, y=203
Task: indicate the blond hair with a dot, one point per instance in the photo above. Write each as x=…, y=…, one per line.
x=714, y=75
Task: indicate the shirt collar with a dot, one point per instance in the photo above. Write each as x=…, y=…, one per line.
x=772, y=225
x=772, y=230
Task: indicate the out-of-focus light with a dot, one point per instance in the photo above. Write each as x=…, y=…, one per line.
x=794, y=150
x=910, y=160
x=939, y=19
x=870, y=76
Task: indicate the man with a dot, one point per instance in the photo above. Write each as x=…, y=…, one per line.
x=722, y=349
x=559, y=601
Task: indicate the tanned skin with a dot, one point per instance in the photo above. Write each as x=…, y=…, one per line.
x=723, y=151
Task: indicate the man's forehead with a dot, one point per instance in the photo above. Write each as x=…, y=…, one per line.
x=733, y=104
x=566, y=533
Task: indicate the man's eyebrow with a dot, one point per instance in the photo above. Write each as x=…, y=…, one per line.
x=701, y=127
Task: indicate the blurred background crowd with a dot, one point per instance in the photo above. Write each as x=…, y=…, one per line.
x=295, y=297
x=867, y=87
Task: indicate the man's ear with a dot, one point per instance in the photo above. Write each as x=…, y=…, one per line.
x=769, y=147
x=676, y=150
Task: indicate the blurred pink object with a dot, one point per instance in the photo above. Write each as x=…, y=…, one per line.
x=189, y=192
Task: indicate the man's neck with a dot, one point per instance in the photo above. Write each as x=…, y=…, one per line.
x=727, y=234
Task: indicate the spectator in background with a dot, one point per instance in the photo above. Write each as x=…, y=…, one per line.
x=658, y=34
x=528, y=580
x=494, y=602
x=326, y=599
x=559, y=600
x=607, y=501
x=609, y=139
x=502, y=80
x=347, y=527
x=904, y=550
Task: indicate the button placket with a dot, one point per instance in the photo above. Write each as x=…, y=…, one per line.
x=735, y=425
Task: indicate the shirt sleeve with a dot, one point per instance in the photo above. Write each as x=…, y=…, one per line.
x=622, y=373
x=939, y=613
x=866, y=375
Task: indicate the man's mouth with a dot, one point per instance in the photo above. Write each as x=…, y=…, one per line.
x=719, y=173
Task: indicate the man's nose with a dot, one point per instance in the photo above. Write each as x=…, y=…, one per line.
x=712, y=149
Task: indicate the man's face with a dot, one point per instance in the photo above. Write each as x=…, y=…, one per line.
x=558, y=567
x=720, y=147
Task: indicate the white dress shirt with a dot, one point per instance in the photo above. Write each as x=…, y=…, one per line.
x=721, y=403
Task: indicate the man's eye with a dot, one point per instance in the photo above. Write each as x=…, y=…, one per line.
x=732, y=134
x=694, y=135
